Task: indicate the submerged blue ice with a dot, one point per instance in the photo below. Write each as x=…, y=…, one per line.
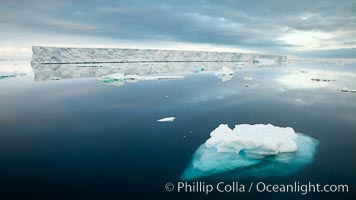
x=238, y=157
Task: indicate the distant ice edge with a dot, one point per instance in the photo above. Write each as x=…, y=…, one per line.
x=251, y=151
x=44, y=54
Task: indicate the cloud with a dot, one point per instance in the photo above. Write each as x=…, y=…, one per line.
x=278, y=27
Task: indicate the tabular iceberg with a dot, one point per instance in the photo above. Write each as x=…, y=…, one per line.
x=251, y=150
x=65, y=63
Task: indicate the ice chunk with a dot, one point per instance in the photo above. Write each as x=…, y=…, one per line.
x=252, y=85
x=258, y=139
x=262, y=61
x=251, y=150
x=113, y=79
x=314, y=79
x=167, y=119
x=164, y=77
x=345, y=89
x=55, y=78
x=320, y=79
x=7, y=75
x=197, y=69
x=225, y=74
x=119, y=78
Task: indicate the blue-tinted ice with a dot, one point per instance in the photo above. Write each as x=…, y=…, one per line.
x=250, y=160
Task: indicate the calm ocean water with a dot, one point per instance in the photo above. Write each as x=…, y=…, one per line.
x=82, y=139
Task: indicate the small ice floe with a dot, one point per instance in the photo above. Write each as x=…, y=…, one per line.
x=258, y=150
x=167, y=119
x=164, y=77
x=248, y=78
x=197, y=69
x=225, y=74
x=321, y=80
x=251, y=85
x=341, y=63
x=345, y=89
x=7, y=75
x=14, y=74
x=54, y=78
x=119, y=79
x=113, y=79
x=262, y=61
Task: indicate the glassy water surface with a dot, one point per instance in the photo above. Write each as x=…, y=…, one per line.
x=82, y=138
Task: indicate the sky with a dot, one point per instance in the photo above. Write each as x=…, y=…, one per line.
x=303, y=28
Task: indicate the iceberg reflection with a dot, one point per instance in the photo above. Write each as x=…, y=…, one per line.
x=45, y=72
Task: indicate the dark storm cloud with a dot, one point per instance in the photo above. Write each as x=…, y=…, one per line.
x=254, y=25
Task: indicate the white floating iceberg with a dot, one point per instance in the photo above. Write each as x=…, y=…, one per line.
x=197, y=69
x=345, y=89
x=225, y=74
x=167, y=119
x=251, y=150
